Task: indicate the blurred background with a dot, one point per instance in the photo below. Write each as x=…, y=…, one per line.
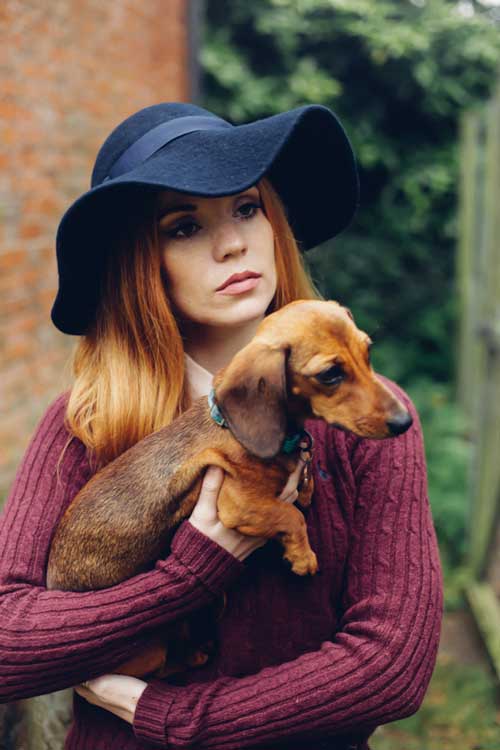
x=416, y=84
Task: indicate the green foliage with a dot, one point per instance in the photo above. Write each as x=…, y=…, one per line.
x=399, y=74
x=447, y=453
x=459, y=712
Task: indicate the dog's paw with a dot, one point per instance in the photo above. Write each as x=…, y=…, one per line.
x=306, y=565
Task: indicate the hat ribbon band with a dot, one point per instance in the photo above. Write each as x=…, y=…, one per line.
x=166, y=132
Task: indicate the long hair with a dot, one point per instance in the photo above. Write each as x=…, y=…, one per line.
x=129, y=367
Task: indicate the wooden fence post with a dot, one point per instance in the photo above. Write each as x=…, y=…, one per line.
x=478, y=277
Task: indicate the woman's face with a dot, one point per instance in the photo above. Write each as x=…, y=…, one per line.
x=204, y=241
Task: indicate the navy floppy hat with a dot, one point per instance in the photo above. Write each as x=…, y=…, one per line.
x=305, y=154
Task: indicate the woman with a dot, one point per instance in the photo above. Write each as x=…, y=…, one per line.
x=180, y=202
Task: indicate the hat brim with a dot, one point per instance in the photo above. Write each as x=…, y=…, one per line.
x=305, y=153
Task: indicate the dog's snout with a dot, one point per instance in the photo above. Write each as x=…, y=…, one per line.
x=400, y=423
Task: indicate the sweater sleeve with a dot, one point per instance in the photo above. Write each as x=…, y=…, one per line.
x=377, y=666
x=50, y=640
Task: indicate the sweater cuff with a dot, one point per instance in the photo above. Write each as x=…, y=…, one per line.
x=151, y=713
x=206, y=560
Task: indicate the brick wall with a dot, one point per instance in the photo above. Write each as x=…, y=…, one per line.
x=71, y=70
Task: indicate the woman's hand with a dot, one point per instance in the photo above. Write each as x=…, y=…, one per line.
x=205, y=518
x=114, y=692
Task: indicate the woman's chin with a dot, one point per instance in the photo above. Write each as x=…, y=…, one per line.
x=248, y=310
x=242, y=309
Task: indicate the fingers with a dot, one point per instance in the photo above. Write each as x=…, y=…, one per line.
x=206, y=506
x=290, y=498
x=212, y=481
x=292, y=482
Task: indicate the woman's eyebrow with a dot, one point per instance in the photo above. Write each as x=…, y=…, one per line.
x=174, y=209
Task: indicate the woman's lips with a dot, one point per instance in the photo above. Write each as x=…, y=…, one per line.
x=237, y=287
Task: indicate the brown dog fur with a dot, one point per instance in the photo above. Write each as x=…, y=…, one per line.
x=122, y=521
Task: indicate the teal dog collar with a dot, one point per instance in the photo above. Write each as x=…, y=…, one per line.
x=214, y=410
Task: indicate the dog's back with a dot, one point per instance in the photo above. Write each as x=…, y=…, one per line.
x=123, y=518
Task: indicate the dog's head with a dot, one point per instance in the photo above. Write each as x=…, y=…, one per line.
x=307, y=359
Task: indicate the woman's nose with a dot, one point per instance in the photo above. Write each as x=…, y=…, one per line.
x=228, y=240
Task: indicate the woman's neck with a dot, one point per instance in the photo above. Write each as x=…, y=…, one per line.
x=214, y=347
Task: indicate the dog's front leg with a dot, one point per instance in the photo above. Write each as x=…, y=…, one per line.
x=251, y=514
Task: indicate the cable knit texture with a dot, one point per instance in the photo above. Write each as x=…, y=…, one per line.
x=314, y=662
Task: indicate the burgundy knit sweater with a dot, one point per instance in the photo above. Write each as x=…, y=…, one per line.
x=315, y=662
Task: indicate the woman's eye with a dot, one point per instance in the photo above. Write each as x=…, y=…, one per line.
x=247, y=210
x=183, y=230
x=332, y=376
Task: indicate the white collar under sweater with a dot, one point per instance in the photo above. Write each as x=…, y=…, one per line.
x=199, y=379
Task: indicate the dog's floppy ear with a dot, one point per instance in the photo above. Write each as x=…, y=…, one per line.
x=251, y=394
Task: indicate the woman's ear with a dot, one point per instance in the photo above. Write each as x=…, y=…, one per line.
x=251, y=395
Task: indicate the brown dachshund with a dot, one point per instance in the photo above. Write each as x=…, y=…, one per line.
x=307, y=360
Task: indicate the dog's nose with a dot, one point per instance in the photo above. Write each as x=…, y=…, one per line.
x=400, y=423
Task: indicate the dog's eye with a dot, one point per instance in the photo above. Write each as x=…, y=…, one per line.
x=332, y=376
